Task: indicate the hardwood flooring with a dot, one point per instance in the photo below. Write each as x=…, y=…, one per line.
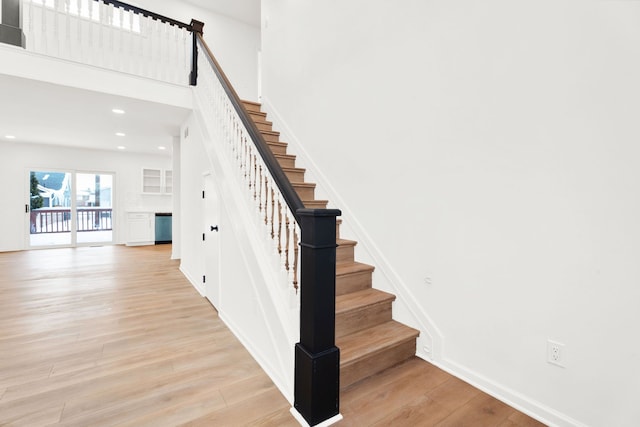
x=113, y=335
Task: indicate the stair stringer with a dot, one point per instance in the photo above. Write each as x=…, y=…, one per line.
x=405, y=310
x=275, y=299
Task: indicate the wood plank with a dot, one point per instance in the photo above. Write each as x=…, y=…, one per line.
x=245, y=412
x=370, y=342
x=481, y=411
x=345, y=251
x=363, y=309
x=89, y=337
x=353, y=277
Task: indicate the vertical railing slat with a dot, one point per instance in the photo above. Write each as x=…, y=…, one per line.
x=111, y=35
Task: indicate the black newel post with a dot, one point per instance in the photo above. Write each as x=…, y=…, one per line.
x=317, y=359
x=196, y=28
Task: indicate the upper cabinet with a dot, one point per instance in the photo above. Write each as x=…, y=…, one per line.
x=157, y=181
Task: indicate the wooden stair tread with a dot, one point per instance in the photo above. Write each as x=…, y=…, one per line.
x=373, y=340
x=246, y=102
x=361, y=299
x=287, y=169
x=345, y=251
x=286, y=160
x=315, y=204
x=271, y=132
x=258, y=113
x=285, y=156
x=278, y=144
x=345, y=242
x=251, y=106
x=304, y=184
x=354, y=267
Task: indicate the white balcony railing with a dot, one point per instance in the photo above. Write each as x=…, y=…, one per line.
x=103, y=35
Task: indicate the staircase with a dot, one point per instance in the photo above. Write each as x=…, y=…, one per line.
x=369, y=340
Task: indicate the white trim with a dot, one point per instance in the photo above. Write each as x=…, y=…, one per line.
x=195, y=284
x=304, y=423
x=522, y=403
x=281, y=383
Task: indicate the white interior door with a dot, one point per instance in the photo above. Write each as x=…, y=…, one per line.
x=211, y=241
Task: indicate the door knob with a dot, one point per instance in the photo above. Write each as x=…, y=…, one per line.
x=214, y=228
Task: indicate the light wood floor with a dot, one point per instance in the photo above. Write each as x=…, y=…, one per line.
x=116, y=336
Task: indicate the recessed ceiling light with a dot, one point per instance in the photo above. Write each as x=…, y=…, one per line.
x=162, y=148
x=121, y=147
x=10, y=136
x=117, y=111
x=120, y=134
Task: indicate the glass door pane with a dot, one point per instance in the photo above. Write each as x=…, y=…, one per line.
x=94, y=207
x=50, y=219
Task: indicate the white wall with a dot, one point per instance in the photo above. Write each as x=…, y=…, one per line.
x=235, y=44
x=254, y=300
x=17, y=159
x=495, y=146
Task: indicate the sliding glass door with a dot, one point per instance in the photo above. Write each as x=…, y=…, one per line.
x=70, y=208
x=94, y=208
x=50, y=208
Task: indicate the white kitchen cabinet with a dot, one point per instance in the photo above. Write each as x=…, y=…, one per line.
x=140, y=228
x=157, y=181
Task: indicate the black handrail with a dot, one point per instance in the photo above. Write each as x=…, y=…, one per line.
x=147, y=13
x=288, y=192
x=317, y=359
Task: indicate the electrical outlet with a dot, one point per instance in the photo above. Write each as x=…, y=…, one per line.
x=555, y=353
x=427, y=280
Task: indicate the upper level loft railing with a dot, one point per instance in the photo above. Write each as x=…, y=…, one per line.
x=110, y=34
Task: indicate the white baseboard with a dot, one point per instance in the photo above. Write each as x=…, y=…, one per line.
x=524, y=404
x=247, y=342
x=199, y=287
x=304, y=422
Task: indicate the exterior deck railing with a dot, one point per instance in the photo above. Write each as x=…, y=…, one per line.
x=58, y=220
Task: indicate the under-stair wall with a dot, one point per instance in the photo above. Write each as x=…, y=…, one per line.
x=251, y=298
